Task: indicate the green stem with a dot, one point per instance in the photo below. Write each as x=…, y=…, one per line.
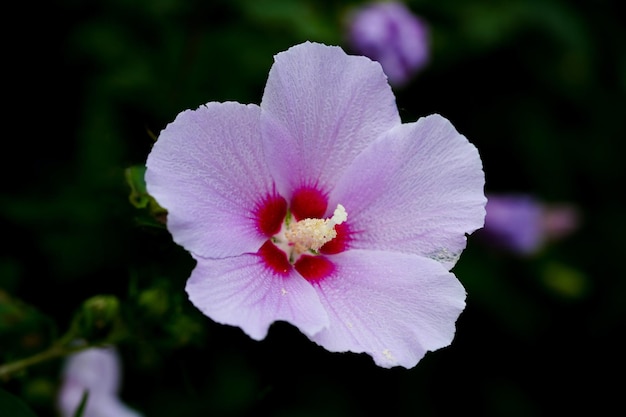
x=56, y=351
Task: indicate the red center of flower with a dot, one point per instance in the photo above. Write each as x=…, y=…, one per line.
x=281, y=253
x=308, y=203
x=270, y=214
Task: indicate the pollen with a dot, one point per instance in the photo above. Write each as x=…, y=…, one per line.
x=311, y=234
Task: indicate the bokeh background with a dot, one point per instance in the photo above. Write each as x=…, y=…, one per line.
x=537, y=85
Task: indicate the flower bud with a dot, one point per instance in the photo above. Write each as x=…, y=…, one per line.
x=154, y=302
x=98, y=316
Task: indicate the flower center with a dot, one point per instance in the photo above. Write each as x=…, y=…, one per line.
x=308, y=235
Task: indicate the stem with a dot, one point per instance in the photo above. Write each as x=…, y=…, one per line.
x=53, y=352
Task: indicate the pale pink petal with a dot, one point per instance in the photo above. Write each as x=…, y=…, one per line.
x=242, y=292
x=418, y=189
x=320, y=108
x=207, y=169
x=391, y=34
x=109, y=407
x=392, y=306
x=97, y=371
x=514, y=222
x=98, y=404
x=523, y=224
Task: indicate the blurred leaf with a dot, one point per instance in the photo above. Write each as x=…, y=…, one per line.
x=10, y=270
x=565, y=281
x=23, y=328
x=11, y=406
x=305, y=20
x=40, y=391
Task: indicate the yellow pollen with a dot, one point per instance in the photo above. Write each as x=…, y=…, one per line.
x=311, y=234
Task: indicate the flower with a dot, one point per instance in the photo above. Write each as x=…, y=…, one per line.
x=321, y=209
x=522, y=224
x=97, y=372
x=388, y=32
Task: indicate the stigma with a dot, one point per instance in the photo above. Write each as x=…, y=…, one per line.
x=309, y=235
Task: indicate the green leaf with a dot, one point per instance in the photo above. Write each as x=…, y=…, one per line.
x=12, y=406
x=139, y=196
x=135, y=178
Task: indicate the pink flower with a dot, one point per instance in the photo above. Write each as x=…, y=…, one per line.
x=388, y=32
x=97, y=371
x=522, y=224
x=321, y=209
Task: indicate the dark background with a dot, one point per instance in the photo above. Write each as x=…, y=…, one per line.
x=538, y=86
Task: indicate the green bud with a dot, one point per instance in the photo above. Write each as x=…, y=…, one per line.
x=183, y=330
x=98, y=317
x=154, y=302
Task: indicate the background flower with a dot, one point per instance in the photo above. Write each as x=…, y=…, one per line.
x=96, y=371
x=523, y=224
x=390, y=33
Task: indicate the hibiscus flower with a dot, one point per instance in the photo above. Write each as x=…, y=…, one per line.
x=523, y=224
x=389, y=32
x=322, y=209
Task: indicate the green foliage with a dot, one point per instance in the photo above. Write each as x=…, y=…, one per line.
x=155, y=214
x=23, y=329
x=13, y=406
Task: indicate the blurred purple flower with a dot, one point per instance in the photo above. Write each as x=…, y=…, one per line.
x=522, y=224
x=388, y=32
x=321, y=209
x=98, y=371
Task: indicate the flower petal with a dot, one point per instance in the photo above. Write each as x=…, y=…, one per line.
x=97, y=371
x=320, y=108
x=242, y=291
x=391, y=34
x=418, y=189
x=514, y=222
x=98, y=405
x=392, y=306
x=207, y=169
